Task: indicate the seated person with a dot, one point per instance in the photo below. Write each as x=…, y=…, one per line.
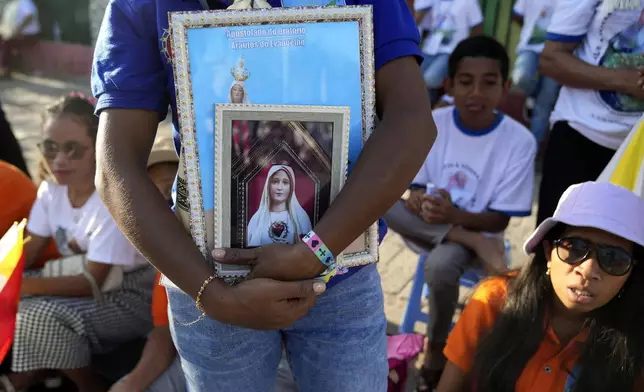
x=17, y=195
x=19, y=29
x=159, y=369
x=482, y=167
x=63, y=320
x=571, y=319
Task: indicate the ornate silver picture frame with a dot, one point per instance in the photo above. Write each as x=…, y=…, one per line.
x=292, y=65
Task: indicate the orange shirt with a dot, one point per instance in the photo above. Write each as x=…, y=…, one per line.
x=552, y=368
x=17, y=195
x=159, y=304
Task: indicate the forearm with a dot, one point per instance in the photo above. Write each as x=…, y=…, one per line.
x=62, y=286
x=388, y=163
x=491, y=222
x=33, y=248
x=143, y=216
x=158, y=354
x=570, y=71
x=466, y=238
x=140, y=210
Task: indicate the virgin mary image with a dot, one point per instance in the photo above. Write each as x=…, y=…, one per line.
x=280, y=218
x=237, y=94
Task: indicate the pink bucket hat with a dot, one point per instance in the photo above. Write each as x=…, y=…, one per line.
x=600, y=205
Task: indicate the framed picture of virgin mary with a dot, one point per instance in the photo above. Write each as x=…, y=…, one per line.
x=278, y=186
x=244, y=76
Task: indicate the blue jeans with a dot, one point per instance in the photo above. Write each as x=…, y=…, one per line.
x=542, y=88
x=340, y=346
x=435, y=69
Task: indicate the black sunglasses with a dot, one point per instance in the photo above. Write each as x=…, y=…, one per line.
x=613, y=260
x=72, y=149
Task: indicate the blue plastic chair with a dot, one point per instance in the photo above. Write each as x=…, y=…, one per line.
x=420, y=290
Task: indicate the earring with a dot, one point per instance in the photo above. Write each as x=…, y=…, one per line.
x=548, y=271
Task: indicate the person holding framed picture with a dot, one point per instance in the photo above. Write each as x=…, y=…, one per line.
x=334, y=333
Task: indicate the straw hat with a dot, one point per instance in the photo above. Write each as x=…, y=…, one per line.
x=163, y=151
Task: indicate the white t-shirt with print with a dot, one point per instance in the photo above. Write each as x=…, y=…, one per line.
x=612, y=39
x=536, y=16
x=91, y=227
x=489, y=170
x=452, y=21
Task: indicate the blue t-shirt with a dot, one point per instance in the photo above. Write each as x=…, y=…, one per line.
x=131, y=68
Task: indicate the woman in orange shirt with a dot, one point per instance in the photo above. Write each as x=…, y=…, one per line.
x=571, y=320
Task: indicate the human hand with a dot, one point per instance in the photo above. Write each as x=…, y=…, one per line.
x=275, y=261
x=263, y=304
x=438, y=208
x=633, y=80
x=415, y=200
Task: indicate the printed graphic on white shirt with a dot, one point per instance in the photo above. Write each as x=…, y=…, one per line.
x=461, y=183
x=608, y=37
x=487, y=170
x=625, y=50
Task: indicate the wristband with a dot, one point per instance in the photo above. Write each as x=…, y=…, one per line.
x=319, y=249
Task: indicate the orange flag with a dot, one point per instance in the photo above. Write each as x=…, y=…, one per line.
x=12, y=263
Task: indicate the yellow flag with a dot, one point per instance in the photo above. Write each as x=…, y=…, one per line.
x=11, y=246
x=627, y=166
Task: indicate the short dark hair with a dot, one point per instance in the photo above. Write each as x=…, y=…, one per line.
x=480, y=46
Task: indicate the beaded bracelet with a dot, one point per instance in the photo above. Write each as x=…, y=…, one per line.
x=198, y=301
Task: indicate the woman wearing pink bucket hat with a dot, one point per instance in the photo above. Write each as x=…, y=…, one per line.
x=571, y=319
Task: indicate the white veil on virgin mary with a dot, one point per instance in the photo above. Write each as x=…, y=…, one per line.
x=239, y=83
x=261, y=222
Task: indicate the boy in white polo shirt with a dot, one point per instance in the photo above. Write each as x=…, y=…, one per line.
x=481, y=169
x=447, y=23
x=595, y=49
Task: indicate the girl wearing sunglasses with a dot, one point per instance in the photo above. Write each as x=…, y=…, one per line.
x=64, y=320
x=571, y=319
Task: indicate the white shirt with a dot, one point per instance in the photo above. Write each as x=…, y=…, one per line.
x=90, y=226
x=15, y=12
x=608, y=39
x=536, y=16
x=489, y=170
x=451, y=23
